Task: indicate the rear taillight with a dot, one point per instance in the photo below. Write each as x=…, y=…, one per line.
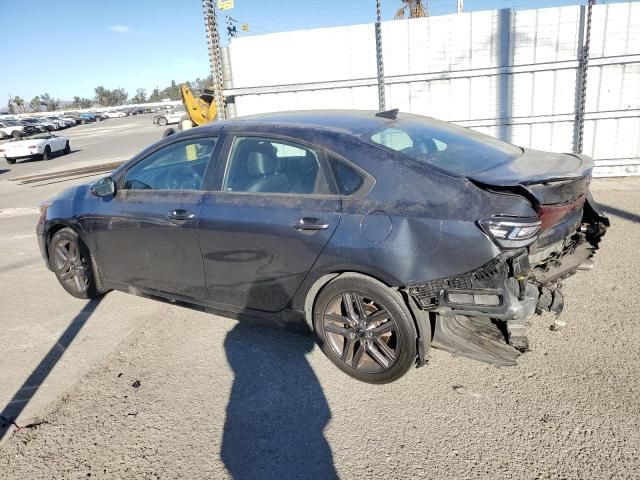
x=32, y=146
x=552, y=214
x=511, y=232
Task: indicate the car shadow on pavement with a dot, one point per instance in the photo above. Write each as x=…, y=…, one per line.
x=277, y=411
x=29, y=388
x=3, y=170
x=617, y=212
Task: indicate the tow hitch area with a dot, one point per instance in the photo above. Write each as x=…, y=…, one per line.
x=481, y=314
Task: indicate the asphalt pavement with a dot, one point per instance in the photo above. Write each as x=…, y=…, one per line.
x=128, y=387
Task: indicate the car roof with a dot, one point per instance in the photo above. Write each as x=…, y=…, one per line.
x=354, y=122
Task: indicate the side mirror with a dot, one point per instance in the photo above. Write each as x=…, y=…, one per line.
x=105, y=187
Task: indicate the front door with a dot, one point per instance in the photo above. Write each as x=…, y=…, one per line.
x=262, y=232
x=146, y=236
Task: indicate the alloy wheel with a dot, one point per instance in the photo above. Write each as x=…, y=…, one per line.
x=361, y=332
x=72, y=266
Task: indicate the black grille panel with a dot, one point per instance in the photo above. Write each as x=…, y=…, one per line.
x=427, y=293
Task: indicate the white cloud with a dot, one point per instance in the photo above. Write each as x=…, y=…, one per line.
x=120, y=28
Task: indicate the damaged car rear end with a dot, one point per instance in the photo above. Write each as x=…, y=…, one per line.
x=539, y=225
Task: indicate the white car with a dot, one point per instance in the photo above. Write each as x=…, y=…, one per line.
x=11, y=128
x=115, y=114
x=40, y=145
x=169, y=117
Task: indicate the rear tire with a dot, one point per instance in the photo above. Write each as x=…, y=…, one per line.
x=365, y=328
x=10, y=161
x=73, y=265
x=67, y=149
x=47, y=153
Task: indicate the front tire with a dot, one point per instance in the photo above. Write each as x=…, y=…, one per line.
x=162, y=121
x=16, y=134
x=365, y=329
x=71, y=261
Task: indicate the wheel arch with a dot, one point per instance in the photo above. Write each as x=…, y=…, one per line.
x=56, y=227
x=420, y=318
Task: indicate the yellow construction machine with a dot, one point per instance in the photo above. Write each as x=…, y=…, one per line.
x=199, y=110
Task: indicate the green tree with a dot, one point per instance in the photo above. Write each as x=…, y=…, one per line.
x=140, y=97
x=52, y=104
x=412, y=9
x=103, y=96
x=19, y=102
x=155, y=95
x=35, y=104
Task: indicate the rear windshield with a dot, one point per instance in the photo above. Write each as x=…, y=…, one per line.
x=455, y=150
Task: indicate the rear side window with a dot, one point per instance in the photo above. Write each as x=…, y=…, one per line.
x=451, y=148
x=349, y=181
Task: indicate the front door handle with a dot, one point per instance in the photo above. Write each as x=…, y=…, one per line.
x=310, y=223
x=180, y=215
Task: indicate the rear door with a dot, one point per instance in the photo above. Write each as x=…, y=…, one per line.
x=146, y=236
x=275, y=209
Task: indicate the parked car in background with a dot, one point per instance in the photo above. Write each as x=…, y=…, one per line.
x=170, y=117
x=115, y=114
x=48, y=124
x=99, y=116
x=39, y=126
x=74, y=116
x=66, y=121
x=87, y=117
x=12, y=128
x=40, y=145
x=382, y=233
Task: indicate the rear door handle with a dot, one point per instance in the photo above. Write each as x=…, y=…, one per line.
x=180, y=215
x=310, y=223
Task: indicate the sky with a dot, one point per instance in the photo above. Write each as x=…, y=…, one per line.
x=67, y=48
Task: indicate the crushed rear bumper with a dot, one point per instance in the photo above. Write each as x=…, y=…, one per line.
x=482, y=313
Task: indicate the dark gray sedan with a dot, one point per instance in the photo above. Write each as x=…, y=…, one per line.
x=381, y=233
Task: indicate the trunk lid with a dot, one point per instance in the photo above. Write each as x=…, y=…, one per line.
x=547, y=178
x=556, y=184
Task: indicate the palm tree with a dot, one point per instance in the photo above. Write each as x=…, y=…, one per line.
x=19, y=102
x=412, y=9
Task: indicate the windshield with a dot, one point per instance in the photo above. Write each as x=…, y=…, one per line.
x=41, y=136
x=453, y=149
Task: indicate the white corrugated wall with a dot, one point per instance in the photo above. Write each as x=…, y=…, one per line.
x=511, y=74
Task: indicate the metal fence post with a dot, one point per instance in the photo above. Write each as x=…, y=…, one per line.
x=505, y=80
x=379, y=63
x=584, y=41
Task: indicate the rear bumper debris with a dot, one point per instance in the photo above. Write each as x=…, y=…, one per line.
x=482, y=313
